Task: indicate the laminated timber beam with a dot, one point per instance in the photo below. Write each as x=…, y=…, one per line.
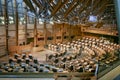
x=38, y=4
x=62, y=32
x=102, y=8
x=50, y=1
x=54, y=32
x=58, y=6
x=48, y=4
x=35, y=32
x=70, y=33
x=6, y=23
x=87, y=3
x=51, y=7
x=29, y=4
x=26, y=27
x=95, y=4
x=16, y=22
x=72, y=6
x=45, y=33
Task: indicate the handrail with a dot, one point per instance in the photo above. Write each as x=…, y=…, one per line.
x=100, y=74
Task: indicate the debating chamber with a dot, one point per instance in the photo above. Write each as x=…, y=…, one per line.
x=59, y=39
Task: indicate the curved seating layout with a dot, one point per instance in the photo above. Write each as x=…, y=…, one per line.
x=26, y=63
x=83, y=55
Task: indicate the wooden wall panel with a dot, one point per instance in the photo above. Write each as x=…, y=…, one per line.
x=59, y=31
x=2, y=30
x=2, y=41
x=11, y=27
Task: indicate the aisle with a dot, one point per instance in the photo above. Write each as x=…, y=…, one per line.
x=41, y=55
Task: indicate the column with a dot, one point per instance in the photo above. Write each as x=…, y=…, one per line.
x=26, y=27
x=117, y=9
x=62, y=32
x=35, y=32
x=16, y=22
x=6, y=23
x=54, y=33
x=70, y=32
x=45, y=33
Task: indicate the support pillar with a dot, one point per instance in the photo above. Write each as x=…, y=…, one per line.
x=54, y=33
x=16, y=22
x=117, y=9
x=70, y=32
x=6, y=24
x=45, y=33
x=35, y=32
x=62, y=32
x=26, y=27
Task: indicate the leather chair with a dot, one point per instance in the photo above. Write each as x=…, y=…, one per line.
x=35, y=61
x=27, y=60
x=70, y=67
x=16, y=56
x=10, y=60
x=30, y=56
x=19, y=60
x=79, y=69
x=23, y=56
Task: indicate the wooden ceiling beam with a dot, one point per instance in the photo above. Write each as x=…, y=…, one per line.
x=29, y=4
x=58, y=6
x=51, y=7
x=102, y=8
x=38, y=4
x=50, y=1
x=72, y=6
x=85, y=6
x=94, y=7
x=95, y=4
